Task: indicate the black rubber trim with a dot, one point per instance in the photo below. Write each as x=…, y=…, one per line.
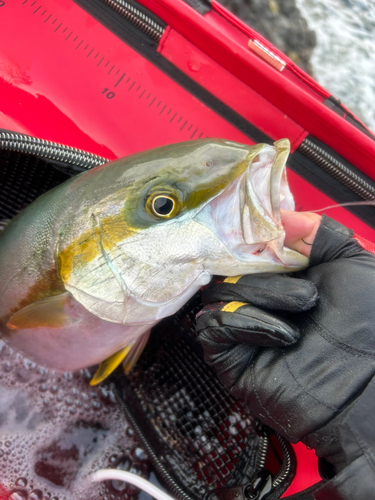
x=201, y=6
x=307, y=169
x=336, y=106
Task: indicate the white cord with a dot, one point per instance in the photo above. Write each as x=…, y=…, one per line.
x=129, y=477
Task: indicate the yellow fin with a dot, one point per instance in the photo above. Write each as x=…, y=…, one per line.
x=107, y=366
x=135, y=352
x=49, y=312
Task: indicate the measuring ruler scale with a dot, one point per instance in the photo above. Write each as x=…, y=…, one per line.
x=66, y=78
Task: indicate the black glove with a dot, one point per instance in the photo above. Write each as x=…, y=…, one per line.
x=303, y=373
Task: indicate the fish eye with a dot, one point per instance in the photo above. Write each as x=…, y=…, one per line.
x=163, y=205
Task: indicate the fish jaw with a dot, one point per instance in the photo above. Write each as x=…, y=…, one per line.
x=246, y=217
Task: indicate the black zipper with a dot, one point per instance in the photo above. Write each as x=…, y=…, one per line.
x=21, y=143
x=337, y=169
x=140, y=20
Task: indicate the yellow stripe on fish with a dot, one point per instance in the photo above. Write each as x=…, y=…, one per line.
x=90, y=243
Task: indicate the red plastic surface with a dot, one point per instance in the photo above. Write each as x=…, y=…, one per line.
x=306, y=472
x=366, y=244
x=4, y=495
x=292, y=97
x=229, y=89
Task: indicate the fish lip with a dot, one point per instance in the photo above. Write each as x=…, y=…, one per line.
x=245, y=217
x=264, y=184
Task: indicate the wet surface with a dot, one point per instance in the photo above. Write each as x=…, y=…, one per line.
x=56, y=430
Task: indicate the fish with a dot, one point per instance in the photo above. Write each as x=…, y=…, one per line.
x=92, y=265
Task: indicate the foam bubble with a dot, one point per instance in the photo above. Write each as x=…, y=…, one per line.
x=55, y=430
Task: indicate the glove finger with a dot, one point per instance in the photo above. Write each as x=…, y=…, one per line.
x=271, y=291
x=239, y=323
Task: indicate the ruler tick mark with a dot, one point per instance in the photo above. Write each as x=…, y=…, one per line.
x=178, y=121
x=139, y=86
x=152, y=102
x=86, y=47
x=47, y=18
x=70, y=34
x=131, y=86
x=149, y=95
x=161, y=112
x=33, y=3
x=53, y=22
x=117, y=72
x=200, y=135
x=190, y=127
x=58, y=27
x=23, y=3
x=183, y=125
x=128, y=80
x=79, y=44
x=193, y=134
x=170, y=109
x=99, y=63
x=173, y=117
x=65, y=30
x=140, y=97
x=89, y=54
x=96, y=55
x=36, y=10
x=42, y=14
x=75, y=38
x=106, y=64
x=158, y=104
x=110, y=70
x=119, y=80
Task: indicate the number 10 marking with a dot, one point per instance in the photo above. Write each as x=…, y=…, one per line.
x=108, y=94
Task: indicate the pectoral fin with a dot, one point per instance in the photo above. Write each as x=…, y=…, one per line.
x=135, y=352
x=129, y=355
x=49, y=312
x=109, y=365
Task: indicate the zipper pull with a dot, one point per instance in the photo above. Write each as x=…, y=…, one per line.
x=258, y=489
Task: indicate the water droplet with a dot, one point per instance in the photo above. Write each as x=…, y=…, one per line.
x=7, y=367
x=96, y=405
x=8, y=444
x=140, y=454
x=68, y=401
x=43, y=387
x=130, y=432
x=54, y=389
x=21, y=481
x=18, y=495
x=72, y=410
x=36, y=495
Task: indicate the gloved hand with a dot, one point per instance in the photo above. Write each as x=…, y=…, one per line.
x=302, y=368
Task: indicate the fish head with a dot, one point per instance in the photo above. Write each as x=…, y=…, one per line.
x=162, y=223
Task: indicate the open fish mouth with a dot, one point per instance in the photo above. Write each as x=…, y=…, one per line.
x=246, y=215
